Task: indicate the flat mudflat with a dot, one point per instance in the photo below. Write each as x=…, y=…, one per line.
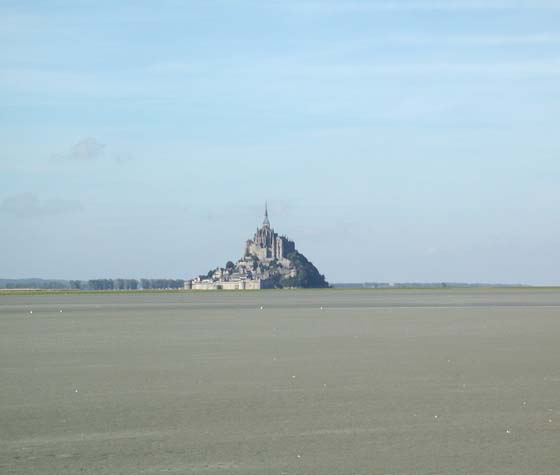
x=462, y=381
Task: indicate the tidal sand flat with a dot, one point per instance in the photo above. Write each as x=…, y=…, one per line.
x=281, y=382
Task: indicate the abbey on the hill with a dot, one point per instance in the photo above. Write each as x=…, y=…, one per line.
x=268, y=246
x=270, y=261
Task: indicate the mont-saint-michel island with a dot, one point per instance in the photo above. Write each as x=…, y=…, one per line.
x=270, y=261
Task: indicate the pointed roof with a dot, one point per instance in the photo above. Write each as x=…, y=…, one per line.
x=266, y=222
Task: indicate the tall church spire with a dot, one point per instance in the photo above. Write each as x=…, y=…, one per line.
x=266, y=222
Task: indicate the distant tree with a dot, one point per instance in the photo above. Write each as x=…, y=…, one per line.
x=101, y=284
x=131, y=284
x=34, y=284
x=277, y=281
x=229, y=265
x=307, y=275
x=75, y=284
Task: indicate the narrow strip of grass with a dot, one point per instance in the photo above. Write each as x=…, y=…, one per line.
x=337, y=289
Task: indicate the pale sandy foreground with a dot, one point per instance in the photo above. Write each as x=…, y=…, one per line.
x=375, y=382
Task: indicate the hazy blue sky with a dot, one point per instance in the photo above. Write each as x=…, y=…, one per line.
x=395, y=140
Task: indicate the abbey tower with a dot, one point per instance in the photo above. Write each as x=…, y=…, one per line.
x=267, y=245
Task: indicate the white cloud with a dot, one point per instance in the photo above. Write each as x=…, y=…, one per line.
x=472, y=40
x=331, y=6
x=298, y=68
x=309, y=67
x=86, y=149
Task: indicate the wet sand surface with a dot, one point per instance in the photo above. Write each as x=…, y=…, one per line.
x=374, y=382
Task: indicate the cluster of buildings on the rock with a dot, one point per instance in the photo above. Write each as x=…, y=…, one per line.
x=265, y=259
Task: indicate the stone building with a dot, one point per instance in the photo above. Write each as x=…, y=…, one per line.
x=268, y=246
x=208, y=284
x=265, y=263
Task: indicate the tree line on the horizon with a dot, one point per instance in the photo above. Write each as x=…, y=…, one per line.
x=93, y=284
x=128, y=284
